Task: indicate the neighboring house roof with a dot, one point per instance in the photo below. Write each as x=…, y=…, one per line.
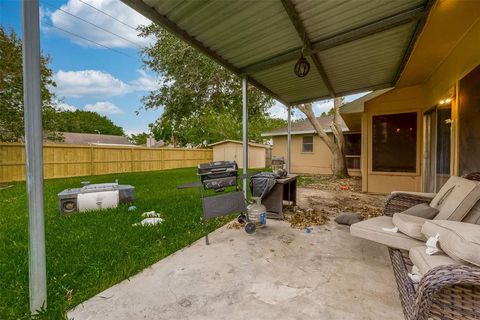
x=251, y=144
x=304, y=127
x=93, y=138
x=351, y=112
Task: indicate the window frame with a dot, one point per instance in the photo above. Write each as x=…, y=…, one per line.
x=418, y=141
x=312, y=143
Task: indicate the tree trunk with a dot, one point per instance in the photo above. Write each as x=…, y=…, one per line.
x=336, y=144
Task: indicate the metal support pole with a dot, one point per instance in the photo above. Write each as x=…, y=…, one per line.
x=245, y=133
x=289, y=139
x=32, y=102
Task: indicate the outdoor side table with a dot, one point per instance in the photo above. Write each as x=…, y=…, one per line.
x=284, y=190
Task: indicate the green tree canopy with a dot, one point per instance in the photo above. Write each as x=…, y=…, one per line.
x=138, y=139
x=202, y=101
x=330, y=112
x=11, y=91
x=86, y=122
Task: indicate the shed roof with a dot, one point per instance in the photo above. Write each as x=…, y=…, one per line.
x=250, y=144
x=352, y=46
x=304, y=127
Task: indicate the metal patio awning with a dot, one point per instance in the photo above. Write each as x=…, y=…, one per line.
x=352, y=46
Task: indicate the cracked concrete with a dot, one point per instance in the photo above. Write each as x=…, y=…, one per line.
x=278, y=273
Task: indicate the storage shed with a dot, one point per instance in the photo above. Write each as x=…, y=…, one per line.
x=259, y=155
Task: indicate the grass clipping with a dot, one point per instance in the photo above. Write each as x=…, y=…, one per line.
x=303, y=218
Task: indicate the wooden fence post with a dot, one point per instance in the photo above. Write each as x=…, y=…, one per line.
x=92, y=162
x=131, y=159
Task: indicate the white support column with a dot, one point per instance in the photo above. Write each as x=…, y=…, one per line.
x=34, y=154
x=245, y=132
x=289, y=139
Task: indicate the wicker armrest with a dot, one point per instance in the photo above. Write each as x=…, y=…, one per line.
x=449, y=292
x=398, y=202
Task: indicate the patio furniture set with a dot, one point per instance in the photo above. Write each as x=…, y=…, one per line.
x=433, y=285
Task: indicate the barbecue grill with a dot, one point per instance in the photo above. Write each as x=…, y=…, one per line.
x=221, y=177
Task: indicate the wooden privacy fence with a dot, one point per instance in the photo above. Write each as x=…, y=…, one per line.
x=60, y=161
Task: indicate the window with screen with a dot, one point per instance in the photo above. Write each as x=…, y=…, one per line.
x=394, y=144
x=307, y=144
x=353, y=143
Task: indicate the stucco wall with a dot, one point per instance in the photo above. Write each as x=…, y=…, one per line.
x=317, y=162
x=443, y=83
x=401, y=100
x=234, y=151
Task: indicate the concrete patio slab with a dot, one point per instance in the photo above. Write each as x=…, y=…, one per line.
x=278, y=273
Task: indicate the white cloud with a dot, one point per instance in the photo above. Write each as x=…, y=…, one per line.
x=145, y=82
x=278, y=110
x=65, y=107
x=104, y=108
x=322, y=106
x=128, y=35
x=92, y=83
x=99, y=84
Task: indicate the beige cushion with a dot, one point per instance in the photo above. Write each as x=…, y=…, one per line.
x=456, y=198
x=409, y=225
x=474, y=215
x=460, y=240
x=372, y=230
x=424, y=262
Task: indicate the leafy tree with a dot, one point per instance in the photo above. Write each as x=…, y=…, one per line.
x=86, y=122
x=11, y=91
x=212, y=126
x=330, y=112
x=202, y=100
x=138, y=139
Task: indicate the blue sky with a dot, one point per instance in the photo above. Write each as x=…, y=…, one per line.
x=92, y=77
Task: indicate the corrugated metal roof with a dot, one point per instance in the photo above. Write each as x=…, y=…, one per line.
x=367, y=62
x=360, y=44
x=242, y=32
x=281, y=79
x=323, y=19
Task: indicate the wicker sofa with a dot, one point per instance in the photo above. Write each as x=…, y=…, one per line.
x=444, y=292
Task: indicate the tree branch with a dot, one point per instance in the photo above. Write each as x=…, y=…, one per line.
x=307, y=110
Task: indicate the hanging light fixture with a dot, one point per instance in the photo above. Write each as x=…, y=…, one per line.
x=302, y=67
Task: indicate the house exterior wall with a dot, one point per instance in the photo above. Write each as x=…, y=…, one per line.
x=234, y=151
x=396, y=101
x=442, y=83
x=317, y=162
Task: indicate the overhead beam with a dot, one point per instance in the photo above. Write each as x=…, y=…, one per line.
x=339, y=39
x=418, y=30
x=344, y=93
x=156, y=17
x=297, y=23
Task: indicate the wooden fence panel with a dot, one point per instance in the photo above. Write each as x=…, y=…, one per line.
x=61, y=161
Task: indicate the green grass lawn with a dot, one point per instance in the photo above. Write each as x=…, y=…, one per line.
x=89, y=252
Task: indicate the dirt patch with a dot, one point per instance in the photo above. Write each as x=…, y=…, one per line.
x=322, y=198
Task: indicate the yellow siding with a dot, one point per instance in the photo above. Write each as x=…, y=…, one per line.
x=401, y=100
x=62, y=161
x=234, y=151
x=317, y=162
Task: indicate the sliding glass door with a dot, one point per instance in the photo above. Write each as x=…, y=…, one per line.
x=437, y=148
